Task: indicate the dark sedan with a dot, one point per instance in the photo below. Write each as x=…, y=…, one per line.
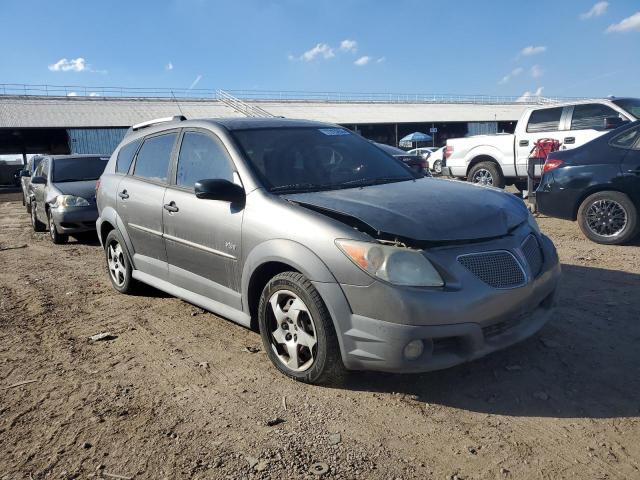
x=415, y=162
x=597, y=184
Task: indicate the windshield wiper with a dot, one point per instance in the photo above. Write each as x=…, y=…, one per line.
x=364, y=182
x=296, y=186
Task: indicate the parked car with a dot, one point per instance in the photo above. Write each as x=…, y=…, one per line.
x=62, y=195
x=502, y=159
x=415, y=162
x=329, y=247
x=9, y=171
x=434, y=157
x=25, y=179
x=597, y=184
x=424, y=152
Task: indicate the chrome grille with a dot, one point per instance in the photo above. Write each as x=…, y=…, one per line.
x=498, y=269
x=533, y=254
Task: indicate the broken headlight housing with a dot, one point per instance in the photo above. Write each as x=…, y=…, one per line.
x=396, y=265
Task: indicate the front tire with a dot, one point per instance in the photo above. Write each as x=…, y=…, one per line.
x=297, y=331
x=56, y=238
x=609, y=218
x=486, y=173
x=118, y=265
x=36, y=224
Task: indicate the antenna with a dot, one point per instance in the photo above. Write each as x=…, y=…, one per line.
x=178, y=104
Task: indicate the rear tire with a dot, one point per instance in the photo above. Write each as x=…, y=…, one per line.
x=486, y=173
x=437, y=167
x=36, y=224
x=297, y=331
x=609, y=218
x=119, y=266
x=57, y=238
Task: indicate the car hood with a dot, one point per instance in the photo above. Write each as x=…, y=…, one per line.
x=428, y=209
x=85, y=189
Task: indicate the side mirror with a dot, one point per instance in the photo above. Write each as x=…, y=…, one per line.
x=39, y=181
x=613, y=122
x=218, y=189
x=25, y=173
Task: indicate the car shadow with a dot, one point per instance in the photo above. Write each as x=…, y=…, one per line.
x=584, y=363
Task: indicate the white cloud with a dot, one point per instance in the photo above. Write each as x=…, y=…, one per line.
x=72, y=94
x=362, y=61
x=94, y=94
x=195, y=82
x=531, y=50
x=74, y=65
x=320, y=50
x=598, y=9
x=349, y=46
x=527, y=96
x=626, y=25
x=381, y=60
x=536, y=71
x=168, y=66
x=514, y=73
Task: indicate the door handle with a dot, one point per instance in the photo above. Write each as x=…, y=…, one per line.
x=569, y=139
x=171, y=207
x=524, y=143
x=123, y=194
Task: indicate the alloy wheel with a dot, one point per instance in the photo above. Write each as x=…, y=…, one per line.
x=606, y=218
x=437, y=166
x=115, y=260
x=483, y=177
x=293, y=331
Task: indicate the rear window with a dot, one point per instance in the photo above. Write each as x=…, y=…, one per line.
x=545, y=120
x=627, y=139
x=78, y=169
x=154, y=156
x=631, y=105
x=125, y=156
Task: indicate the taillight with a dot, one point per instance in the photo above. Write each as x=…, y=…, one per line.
x=551, y=164
x=448, y=151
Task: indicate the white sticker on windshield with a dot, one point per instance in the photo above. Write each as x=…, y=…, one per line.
x=334, y=131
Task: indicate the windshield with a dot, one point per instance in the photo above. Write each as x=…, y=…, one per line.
x=631, y=105
x=78, y=169
x=304, y=159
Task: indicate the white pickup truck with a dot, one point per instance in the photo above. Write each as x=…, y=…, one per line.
x=502, y=159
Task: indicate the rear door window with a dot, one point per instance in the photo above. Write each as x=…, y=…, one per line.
x=591, y=116
x=125, y=156
x=545, y=120
x=154, y=157
x=202, y=157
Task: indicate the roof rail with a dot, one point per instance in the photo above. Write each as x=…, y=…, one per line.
x=175, y=118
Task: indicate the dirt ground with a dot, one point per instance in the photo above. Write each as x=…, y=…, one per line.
x=180, y=395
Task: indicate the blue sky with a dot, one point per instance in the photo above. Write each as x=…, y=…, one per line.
x=564, y=48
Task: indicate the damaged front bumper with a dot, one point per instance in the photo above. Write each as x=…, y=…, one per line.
x=461, y=322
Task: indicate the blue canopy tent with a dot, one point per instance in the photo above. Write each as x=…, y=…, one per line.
x=416, y=137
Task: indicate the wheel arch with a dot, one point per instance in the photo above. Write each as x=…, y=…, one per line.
x=483, y=158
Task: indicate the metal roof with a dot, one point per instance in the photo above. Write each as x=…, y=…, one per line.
x=79, y=112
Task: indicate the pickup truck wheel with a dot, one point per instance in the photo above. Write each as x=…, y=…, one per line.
x=297, y=331
x=486, y=173
x=609, y=218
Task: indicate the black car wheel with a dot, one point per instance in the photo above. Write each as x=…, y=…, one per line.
x=37, y=225
x=486, y=173
x=57, y=238
x=609, y=218
x=297, y=330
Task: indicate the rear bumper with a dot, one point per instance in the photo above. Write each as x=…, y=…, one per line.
x=75, y=220
x=556, y=202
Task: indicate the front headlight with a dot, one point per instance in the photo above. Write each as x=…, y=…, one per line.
x=533, y=223
x=397, y=265
x=70, y=201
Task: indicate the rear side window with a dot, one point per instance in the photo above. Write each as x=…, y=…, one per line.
x=628, y=139
x=154, y=157
x=125, y=156
x=545, y=120
x=202, y=157
x=591, y=116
